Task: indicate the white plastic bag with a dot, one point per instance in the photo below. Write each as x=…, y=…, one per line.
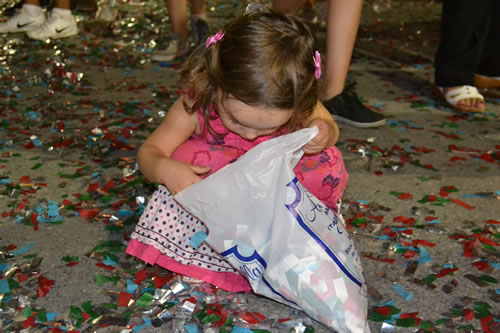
x=290, y=246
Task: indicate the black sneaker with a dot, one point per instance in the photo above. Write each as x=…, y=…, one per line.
x=347, y=108
x=199, y=29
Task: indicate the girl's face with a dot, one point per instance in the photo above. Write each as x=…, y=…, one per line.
x=250, y=122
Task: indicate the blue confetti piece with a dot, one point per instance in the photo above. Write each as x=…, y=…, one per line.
x=4, y=286
x=197, y=238
x=191, y=328
x=4, y=267
x=364, y=202
x=237, y=329
x=51, y=316
x=147, y=322
x=109, y=262
x=495, y=265
x=124, y=212
x=497, y=290
x=424, y=256
x=131, y=286
x=5, y=181
x=449, y=266
x=402, y=291
x=435, y=221
x=474, y=195
x=23, y=250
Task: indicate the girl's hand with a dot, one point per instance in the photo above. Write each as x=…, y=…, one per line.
x=181, y=175
x=321, y=141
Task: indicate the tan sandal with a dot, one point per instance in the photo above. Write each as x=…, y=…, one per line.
x=452, y=97
x=486, y=82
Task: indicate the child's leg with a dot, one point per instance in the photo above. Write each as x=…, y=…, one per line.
x=198, y=152
x=324, y=175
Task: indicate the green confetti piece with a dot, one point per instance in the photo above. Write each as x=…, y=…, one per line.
x=442, y=321
x=41, y=315
x=37, y=166
x=109, y=306
x=114, y=246
x=429, y=279
x=211, y=319
x=425, y=325
x=35, y=158
x=488, y=279
x=144, y=300
x=406, y=322
x=70, y=258
x=101, y=279
x=12, y=284
x=361, y=220
x=456, y=312
x=89, y=309
x=128, y=314
x=378, y=317
x=106, y=199
x=77, y=314
x=27, y=312
x=85, y=197
x=424, y=179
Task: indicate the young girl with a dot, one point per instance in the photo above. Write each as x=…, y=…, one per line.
x=254, y=80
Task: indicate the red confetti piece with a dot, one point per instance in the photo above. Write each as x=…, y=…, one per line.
x=124, y=299
x=251, y=318
x=468, y=314
x=422, y=242
x=92, y=187
x=462, y=204
x=457, y=158
x=481, y=265
x=25, y=179
x=390, y=261
x=34, y=221
x=108, y=267
x=378, y=173
x=384, y=310
x=486, y=322
x=446, y=271
x=44, y=285
x=468, y=248
x=282, y=320
x=409, y=254
x=21, y=277
x=405, y=196
x=409, y=315
x=72, y=263
x=30, y=322
x=88, y=214
x=492, y=222
x=141, y=276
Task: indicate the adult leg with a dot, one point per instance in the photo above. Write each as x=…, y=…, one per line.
x=289, y=6
x=177, y=12
x=488, y=72
x=199, y=25
x=343, y=18
x=463, y=33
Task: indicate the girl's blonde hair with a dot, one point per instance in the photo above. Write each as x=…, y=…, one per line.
x=264, y=59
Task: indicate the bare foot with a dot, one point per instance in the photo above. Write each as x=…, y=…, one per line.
x=473, y=104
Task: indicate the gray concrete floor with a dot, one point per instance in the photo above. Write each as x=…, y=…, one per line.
x=422, y=188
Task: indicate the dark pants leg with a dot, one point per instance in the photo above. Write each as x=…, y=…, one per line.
x=489, y=64
x=464, y=28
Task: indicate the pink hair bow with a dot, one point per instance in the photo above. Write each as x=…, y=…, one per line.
x=214, y=38
x=317, y=64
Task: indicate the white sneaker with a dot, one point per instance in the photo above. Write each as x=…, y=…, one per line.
x=22, y=21
x=175, y=49
x=106, y=13
x=56, y=26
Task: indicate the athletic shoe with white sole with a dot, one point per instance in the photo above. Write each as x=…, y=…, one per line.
x=56, y=26
x=21, y=21
x=175, y=49
x=347, y=108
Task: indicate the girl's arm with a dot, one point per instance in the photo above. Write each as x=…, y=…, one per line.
x=328, y=130
x=154, y=155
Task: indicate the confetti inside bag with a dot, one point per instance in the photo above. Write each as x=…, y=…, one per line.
x=285, y=241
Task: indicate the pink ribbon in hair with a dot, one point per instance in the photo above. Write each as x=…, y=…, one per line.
x=317, y=64
x=214, y=38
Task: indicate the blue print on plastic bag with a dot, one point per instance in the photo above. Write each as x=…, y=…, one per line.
x=252, y=267
x=308, y=210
